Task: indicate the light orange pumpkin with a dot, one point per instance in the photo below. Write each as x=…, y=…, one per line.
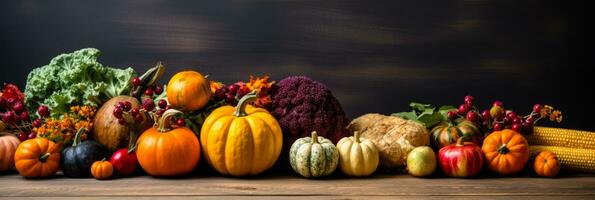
x=239, y=141
x=8, y=147
x=37, y=158
x=506, y=151
x=102, y=169
x=188, y=91
x=546, y=164
x=167, y=151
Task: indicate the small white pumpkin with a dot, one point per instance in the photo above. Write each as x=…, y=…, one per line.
x=359, y=156
x=313, y=156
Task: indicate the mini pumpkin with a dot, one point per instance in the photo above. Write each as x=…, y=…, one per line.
x=188, y=91
x=445, y=134
x=37, y=158
x=8, y=147
x=506, y=151
x=244, y=140
x=358, y=156
x=546, y=164
x=313, y=156
x=102, y=169
x=167, y=151
x=78, y=158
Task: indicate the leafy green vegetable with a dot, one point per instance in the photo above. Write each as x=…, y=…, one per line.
x=75, y=79
x=426, y=114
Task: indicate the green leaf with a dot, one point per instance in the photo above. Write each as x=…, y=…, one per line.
x=406, y=115
x=430, y=119
x=419, y=107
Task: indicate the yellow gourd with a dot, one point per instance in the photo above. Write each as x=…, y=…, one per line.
x=359, y=157
x=239, y=141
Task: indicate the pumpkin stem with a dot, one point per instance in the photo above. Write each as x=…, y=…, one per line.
x=44, y=157
x=244, y=101
x=103, y=160
x=314, y=137
x=356, y=136
x=77, y=137
x=503, y=149
x=164, y=124
x=461, y=140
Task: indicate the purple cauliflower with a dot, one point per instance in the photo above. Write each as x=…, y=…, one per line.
x=302, y=105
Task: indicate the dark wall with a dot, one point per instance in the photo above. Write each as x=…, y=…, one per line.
x=376, y=56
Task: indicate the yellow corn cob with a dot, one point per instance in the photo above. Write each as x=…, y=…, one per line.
x=581, y=160
x=561, y=137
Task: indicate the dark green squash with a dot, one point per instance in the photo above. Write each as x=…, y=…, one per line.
x=77, y=159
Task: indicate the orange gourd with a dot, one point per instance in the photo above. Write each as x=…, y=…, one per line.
x=239, y=141
x=546, y=164
x=167, y=151
x=102, y=169
x=8, y=147
x=506, y=151
x=37, y=158
x=188, y=91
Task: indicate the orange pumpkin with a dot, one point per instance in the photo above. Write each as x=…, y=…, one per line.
x=37, y=157
x=102, y=169
x=8, y=146
x=188, y=91
x=167, y=151
x=506, y=151
x=546, y=164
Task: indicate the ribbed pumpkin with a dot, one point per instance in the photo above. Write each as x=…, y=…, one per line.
x=36, y=158
x=358, y=156
x=313, y=156
x=168, y=151
x=447, y=133
x=239, y=141
x=106, y=129
x=8, y=146
x=546, y=164
x=102, y=169
x=188, y=91
x=506, y=151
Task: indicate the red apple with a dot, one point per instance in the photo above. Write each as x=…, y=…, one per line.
x=463, y=159
x=124, y=162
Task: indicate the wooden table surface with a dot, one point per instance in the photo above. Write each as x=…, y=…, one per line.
x=275, y=185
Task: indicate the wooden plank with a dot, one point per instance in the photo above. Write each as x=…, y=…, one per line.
x=302, y=197
x=292, y=186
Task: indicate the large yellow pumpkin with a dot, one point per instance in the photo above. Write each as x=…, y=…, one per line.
x=188, y=91
x=239, y=141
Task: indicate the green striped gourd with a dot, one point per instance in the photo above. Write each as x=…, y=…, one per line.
x=313, y=156
x=447, y=133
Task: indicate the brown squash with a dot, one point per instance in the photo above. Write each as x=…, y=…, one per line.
x=106, y=129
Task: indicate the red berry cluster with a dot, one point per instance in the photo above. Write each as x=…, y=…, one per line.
x=14, y=114
x=497, y=118
x=232, y=93
x=126, y=114
x=149, y=91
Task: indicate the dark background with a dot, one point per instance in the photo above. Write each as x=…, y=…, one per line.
x=376, y=56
